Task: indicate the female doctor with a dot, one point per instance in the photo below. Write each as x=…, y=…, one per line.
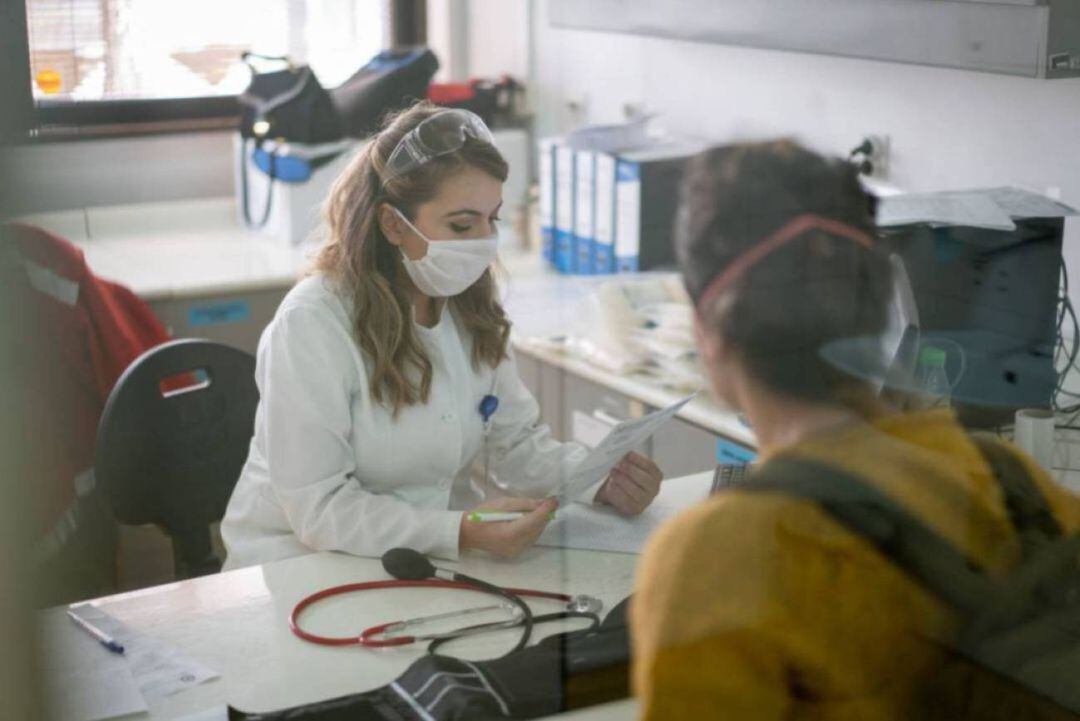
x=372, y=373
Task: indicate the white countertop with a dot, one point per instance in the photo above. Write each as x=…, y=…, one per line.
x=188, y=248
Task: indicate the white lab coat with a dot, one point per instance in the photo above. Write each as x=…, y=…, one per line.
x=330, y=469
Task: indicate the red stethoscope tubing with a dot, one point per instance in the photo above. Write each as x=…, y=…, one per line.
x=364, y=639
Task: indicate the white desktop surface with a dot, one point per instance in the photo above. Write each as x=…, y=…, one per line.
x=237, y=622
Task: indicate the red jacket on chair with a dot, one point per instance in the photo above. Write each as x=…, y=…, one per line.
x=76, y=333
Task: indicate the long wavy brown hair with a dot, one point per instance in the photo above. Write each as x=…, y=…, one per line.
x=367, y=268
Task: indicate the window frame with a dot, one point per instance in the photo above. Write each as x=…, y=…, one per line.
x=44, y=120
x=18, y=117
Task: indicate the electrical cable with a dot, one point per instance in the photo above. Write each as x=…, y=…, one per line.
x=1066, y=309
x=1072, y=358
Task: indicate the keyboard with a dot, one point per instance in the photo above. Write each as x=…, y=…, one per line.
x=729, y=474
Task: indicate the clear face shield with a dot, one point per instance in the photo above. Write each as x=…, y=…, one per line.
x=442, y=133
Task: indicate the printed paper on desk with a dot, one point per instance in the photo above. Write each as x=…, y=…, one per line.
x=159, y=670
x=621, y=440
x=215, y=713
x=601, y=528
x=1020, y=203
x=92, y=694
x=972, y=209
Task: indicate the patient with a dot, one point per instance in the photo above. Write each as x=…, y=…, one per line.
x=758, y=604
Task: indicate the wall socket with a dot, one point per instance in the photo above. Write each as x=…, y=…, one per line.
x=577, y=107
x=633, y=111
x=879, y=148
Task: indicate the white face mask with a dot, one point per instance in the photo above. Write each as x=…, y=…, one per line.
x=449, y=266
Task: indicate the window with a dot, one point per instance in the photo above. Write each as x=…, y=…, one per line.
x=115, y=61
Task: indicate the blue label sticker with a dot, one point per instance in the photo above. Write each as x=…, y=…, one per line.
x=226, y=311
x=728, y=452
x=627, y=171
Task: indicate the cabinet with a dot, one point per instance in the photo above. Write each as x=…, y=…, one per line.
x=529, y=370
x=235, y=319
x=569, y=403
x=680, y=448
x=545, y=382
x=599, y=407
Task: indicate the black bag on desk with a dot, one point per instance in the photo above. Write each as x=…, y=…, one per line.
x=289, y=104
x=392, y=80
x=292, y=105
x=563, y=672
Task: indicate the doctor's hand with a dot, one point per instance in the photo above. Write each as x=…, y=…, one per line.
x=632, y=485
x=507, y=539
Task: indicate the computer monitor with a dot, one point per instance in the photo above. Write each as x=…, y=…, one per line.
x=990, y=299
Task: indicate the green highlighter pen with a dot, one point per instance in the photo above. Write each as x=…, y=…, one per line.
x=489, y=516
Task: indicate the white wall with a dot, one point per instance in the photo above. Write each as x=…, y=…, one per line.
x=72, y=174
x=498, y=38
x=448, y=38
x=479, y=38
x=948, y=128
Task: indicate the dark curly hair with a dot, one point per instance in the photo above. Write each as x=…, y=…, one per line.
x=785, y=308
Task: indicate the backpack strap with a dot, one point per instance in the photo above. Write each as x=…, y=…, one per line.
x=1028, y=509
x=999, y=634
x=872, y=515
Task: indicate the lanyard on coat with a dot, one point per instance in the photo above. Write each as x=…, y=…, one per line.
x=488, y=405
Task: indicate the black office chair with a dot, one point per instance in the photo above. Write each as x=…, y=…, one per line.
x=171, y=455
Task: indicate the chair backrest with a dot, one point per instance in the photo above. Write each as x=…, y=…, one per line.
x=172, y=440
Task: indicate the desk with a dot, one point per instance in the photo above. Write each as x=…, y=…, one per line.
x=236, y=623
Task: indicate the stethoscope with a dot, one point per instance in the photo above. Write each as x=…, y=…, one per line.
x=410, y=569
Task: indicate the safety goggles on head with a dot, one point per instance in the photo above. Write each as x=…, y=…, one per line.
x=442, y=133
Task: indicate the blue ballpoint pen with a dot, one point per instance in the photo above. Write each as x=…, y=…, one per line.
x=103, y=638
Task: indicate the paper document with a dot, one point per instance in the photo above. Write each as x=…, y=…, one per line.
x=1020, y=203
x=969, y=209
x=621, y=440
x=158, y=669
x=103, y=691
x=992, y=208
x=216, y=713
x=600, y=528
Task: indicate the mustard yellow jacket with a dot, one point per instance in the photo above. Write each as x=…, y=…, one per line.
x=760, y=606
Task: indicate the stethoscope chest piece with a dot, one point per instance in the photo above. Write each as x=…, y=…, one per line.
x=584, y=604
